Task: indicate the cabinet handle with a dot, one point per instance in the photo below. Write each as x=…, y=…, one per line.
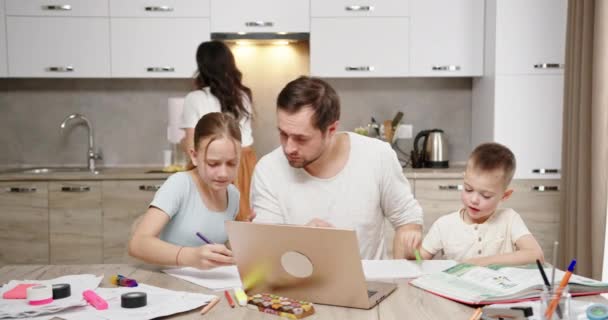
x=160, y=69
x=545, y=171
x=451, y=187
x=450, y=67
x=58, y=7
x=75, y=189
x=359, y=8
x=21, y=189
x=159, y=8
x=60, y=69
x=549, y=66
x=361, y=68
x=149, y=187
x=259, y=24
x=545, y=188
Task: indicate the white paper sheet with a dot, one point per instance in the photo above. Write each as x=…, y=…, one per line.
x=402, y=269
x=217, y=279
x=15, y=308
x=161, y=302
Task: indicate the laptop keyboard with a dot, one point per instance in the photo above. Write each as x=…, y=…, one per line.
x=370, y=293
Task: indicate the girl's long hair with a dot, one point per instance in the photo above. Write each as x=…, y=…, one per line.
x=217, y=70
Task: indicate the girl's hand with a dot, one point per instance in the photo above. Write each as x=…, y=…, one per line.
x=208, y=256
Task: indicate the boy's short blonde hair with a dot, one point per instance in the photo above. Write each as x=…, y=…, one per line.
x=491, y=156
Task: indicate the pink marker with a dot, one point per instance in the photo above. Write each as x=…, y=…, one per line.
x=96, y=301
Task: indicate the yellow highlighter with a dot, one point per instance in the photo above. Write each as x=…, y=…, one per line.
x=241, y=297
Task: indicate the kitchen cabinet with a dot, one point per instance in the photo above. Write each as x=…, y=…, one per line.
x=3, y=58
x=24, y=223
x=72, y=46
x=159, y=8
x=69, y=8
x=260, y=16
x=75, y=219
x=446, y=38
x=438, y=197
x=530, y=36
x=350, y=8
x=123, y=201
x=515, y=103
x=538, y=202
x=359, y=47
x=156, y=47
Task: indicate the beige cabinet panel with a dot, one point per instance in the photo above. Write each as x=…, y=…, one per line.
x=438, y=197
x=123, y=201
x=24, y=223
x=538, y=203
x=75, y=222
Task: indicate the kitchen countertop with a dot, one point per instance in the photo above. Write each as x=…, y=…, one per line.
x=140, y=173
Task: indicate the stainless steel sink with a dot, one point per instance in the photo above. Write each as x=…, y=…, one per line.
x=49, y=170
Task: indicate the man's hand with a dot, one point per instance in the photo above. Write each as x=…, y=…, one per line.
x=407, y=239
x=251, y=216
x=316, y=222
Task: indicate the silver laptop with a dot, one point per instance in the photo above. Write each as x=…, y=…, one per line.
x=320, y=265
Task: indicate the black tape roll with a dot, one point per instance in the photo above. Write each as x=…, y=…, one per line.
x=133, y=300
x=61, y=290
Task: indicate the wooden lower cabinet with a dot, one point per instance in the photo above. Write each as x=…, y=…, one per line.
x=75, y=222
x=123, y=201
x=24, y=222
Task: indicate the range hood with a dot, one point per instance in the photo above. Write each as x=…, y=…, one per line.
x=260, y=37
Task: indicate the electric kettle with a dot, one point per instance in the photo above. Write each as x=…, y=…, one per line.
x=434, y=151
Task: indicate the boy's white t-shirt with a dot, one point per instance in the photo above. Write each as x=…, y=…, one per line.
x=460, y=241
x=369, y=188
x=200, y=102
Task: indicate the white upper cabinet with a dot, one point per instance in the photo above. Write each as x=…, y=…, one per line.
x=528, y=117
x=365, y=8
x=67, y=8
x=159, y=8
x=260, y=16
x=446, y=38
x=3, y=59
x=156, y=48
x=58, y=47
x=359, y=47
x=530, y=36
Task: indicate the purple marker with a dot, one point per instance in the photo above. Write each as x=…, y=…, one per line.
x=200, y=235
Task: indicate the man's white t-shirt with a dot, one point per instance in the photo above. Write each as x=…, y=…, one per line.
x=460, y=241
x=200, y=102
x=370, y=187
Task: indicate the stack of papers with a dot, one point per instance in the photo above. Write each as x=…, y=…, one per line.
x=218, y=279
x=19, y=308
x=402, y=269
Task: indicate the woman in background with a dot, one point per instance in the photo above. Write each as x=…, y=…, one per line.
x=220, y=89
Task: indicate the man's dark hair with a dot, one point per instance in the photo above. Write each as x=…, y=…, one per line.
x=314, y=93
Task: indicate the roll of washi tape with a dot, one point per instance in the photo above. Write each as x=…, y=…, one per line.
x=61, y=290
x=133, y=300
x=39, y=295
x=597, y=311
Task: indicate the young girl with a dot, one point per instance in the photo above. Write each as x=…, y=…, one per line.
x=219, y=89
x=199, y=200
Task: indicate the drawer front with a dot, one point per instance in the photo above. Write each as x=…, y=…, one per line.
x=59, y=8
x=159, y=8
x=260, y=16
x=438, y=198
x=364, y=8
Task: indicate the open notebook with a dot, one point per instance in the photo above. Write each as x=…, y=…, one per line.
x=499, y=284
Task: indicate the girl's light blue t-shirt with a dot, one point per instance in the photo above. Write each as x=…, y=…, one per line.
x=181, y=200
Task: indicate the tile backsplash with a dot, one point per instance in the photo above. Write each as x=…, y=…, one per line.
x=129, y=116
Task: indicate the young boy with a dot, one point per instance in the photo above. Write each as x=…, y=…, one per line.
x=480, y=233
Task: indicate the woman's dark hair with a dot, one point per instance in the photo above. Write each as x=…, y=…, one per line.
x=217, y=70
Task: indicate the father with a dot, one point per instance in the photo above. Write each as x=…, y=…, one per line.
x=324, y=178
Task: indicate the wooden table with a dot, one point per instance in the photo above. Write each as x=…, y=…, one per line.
x=406, y=302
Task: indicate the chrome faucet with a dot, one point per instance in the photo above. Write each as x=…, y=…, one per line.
x=91, y=154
